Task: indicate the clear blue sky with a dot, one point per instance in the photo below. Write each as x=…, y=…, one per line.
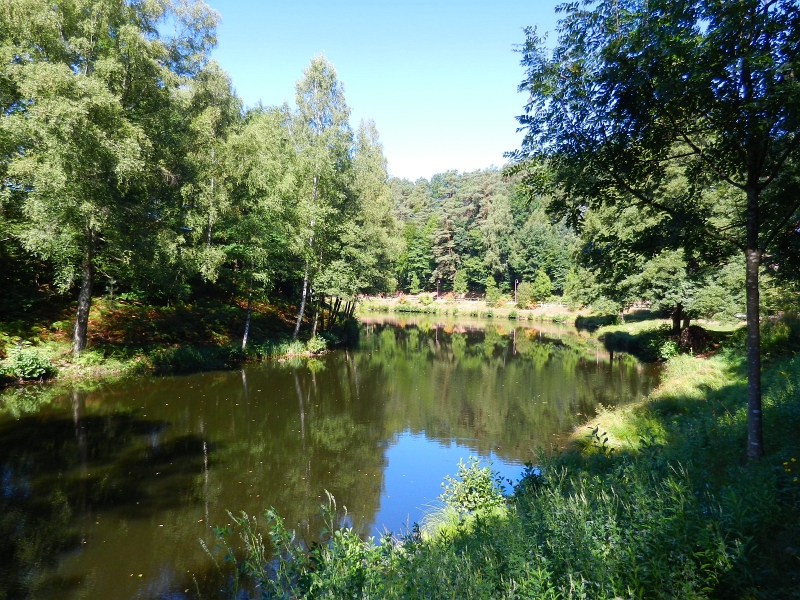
x=438, y=77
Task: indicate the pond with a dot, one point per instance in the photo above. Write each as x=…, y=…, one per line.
x=108, y=491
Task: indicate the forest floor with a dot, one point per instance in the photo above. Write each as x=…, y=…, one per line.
x=129, y=338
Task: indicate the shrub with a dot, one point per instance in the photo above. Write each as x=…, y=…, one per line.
x=492, y=292
x=316, y=345
x=542, y=287
x=425, y=299
x=460, y=282
x=474, y=488
x=414, y=284
x=524, y=294
x=605, y=306
x=27, y=363
x=668, y=350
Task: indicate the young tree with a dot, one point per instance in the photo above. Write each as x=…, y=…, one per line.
x=320, y=131
x=213, y=111
x=541, y=286
x=258, y=231
x=632, y=89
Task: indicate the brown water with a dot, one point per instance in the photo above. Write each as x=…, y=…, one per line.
x=107, y=492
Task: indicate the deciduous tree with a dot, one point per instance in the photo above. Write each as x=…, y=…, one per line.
x=632, y=89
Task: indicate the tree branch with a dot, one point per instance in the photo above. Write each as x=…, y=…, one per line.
x=779, y=226
x=699, y=152
x=643, y=198
x=771, y=177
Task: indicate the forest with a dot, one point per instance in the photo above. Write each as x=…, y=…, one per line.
x=148, y=216
x=132, y=171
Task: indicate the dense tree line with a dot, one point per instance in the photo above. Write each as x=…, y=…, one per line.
x=129, y=165
x=469, y=232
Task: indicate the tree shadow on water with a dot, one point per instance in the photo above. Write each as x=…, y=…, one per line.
x=56, y=469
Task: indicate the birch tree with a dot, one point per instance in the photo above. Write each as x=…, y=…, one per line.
x=84, y=81
x=321, y=133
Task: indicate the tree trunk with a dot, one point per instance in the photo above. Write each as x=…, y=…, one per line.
x=84, y=299
x=316, y=318
x=687, y=320
x=335, y=312
x=249, y=309
x=676, y=318
x=754, y=418
x=302, y=304
x=621, y=316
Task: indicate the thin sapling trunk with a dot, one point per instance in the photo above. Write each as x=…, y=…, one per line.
x=249, y=309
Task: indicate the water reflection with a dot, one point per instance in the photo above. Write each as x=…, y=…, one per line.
x=107, y=492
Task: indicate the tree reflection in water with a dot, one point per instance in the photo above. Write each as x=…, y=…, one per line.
x=102, y=485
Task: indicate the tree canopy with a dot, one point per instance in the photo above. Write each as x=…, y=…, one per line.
x=633, y=92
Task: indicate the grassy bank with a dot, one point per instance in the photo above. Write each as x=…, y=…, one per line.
x=654, y=500
x=131, y=338
x=426, y=304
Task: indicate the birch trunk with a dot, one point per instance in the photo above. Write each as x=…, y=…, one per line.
x=302, y=304
x=249, y=309
x=84, y=299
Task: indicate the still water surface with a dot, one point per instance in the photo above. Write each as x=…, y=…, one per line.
x=107, y=492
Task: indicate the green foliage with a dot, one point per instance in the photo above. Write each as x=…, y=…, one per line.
x=316, y=345
x=541, y=287
x=414, y=284
x=668, y=350
x=493, y=294
x=425, y=299
x=524, y=294
x=25, y=362
x=474, y=489
x=460, y=282
x=607, y=307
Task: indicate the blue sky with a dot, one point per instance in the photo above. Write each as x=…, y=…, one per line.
x=439, y=78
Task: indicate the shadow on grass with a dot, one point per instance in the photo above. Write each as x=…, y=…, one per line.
x=651, y=345
x=698, y=420
x=593, y=322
